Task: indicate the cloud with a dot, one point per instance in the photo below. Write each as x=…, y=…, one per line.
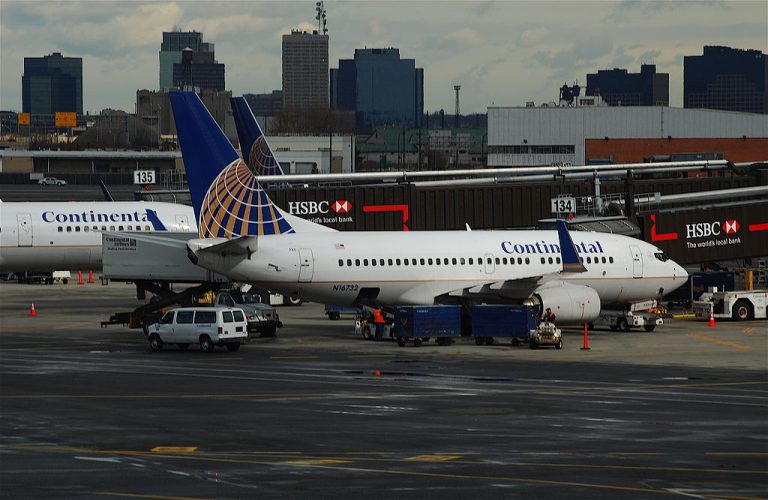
x=626, y=9
x=465, y=37
x=532, y=37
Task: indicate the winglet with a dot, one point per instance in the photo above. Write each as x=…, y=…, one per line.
x=105, y=191
x=571, y=261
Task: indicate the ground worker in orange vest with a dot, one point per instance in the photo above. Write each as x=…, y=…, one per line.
x=379, y=321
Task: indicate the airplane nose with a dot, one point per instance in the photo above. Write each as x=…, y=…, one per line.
x=680, y=271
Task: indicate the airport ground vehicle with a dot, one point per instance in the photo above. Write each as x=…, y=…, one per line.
x=503, y=320
x=335, y=312
x=645, y=314
x=417, y=323
x=262, y=318
x=739, y=305
x=546, y=333
x=207, y=326
x=52, y=181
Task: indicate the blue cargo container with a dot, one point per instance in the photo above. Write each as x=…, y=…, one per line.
x=420, y=322
x=502, y=320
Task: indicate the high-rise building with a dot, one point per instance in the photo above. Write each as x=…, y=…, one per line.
x=305, y=70
x=618, y=87
x=187, y=61
x=380, y=87
x=51, y=84
x=727, y=79
x=265, y=104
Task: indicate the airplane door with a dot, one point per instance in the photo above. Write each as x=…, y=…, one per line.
x=489, y=265
x=183, y=222
x=306, y=264
x=25, y=229
x=637, y=262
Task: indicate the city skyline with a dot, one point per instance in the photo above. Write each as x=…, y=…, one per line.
x=501, y=53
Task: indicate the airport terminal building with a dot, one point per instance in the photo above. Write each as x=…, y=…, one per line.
x=536, y=136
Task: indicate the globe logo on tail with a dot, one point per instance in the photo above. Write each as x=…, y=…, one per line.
x=236, y=205
x=262, y=161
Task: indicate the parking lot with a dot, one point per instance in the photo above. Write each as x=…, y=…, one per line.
x=90, y=412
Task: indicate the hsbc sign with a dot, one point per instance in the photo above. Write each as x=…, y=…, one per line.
x=318, y=207
x=707, y=229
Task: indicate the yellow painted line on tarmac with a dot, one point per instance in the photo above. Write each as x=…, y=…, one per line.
x=143, y=495
x=684, y=315
x=634, y=454
x=720, y=342
x=748, y=330
x=737, y=453
x=432, y=458
x=174, y=449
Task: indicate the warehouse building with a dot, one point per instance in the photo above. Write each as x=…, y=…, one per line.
x=538, y=136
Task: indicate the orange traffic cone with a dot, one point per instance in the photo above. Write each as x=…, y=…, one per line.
x=586, y=347
x=79, y=277
x=90, y=277
x=32, y=311
x=711, y=318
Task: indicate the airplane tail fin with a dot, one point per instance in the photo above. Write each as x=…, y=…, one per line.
x=227, y=199
x=571, y=261
x=253, y=144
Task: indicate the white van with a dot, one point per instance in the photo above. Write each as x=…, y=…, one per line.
x=207, y=326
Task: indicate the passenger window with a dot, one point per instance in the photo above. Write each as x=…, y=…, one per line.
x=357, y=262
x=121, y=228
x=454, y=261
x=77, y=229
x=397, y=262
x=413, y=262
x=167, y=318
x=610, y=259
x=365, y=262
x=543, y=261
x=527, y=260
x=349, y=262
x=381, y=262
x=111, y=228
x=603, y=260
x=557, y=260
x=87, y=228
x=463, y=261
x=389, y=262
x=550, y=260
x=103, y=228
x=69, y=229
x=205, y=317
x=471, y=261
x=405, y=261
x=437, y=262
x=61, y=229
x=147, y=228
x=519, y=260
x=373, y=262
x=589, y=260
x=95, y=228
x=238, y=315
x=183, y=317
x=227, y=316
x=341, y=262
x=429, y=261
x=504, y=260
x=445, y=261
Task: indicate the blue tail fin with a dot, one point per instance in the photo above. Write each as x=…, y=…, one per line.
x=253, y=144
x=228, y=200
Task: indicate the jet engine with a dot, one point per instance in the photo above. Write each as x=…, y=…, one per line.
x=570, y=303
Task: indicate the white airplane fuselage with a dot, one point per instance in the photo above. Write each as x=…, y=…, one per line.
x=333, y=267
x=49, y=236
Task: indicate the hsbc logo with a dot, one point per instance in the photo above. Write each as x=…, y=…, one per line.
x=706, y=229
x=318, y=207
x=731, y=226
x=341, y=206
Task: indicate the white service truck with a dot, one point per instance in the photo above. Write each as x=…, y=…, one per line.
x=738, y=305
x=643, y=314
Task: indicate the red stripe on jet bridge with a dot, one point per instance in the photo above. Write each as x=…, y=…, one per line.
x=758, y=227
x=390, y=208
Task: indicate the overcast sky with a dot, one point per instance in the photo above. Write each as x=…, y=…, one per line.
x=502, y=53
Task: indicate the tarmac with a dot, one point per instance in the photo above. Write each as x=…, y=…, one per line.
x=91, y=412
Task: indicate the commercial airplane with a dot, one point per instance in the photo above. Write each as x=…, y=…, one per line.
x=244, y=236
x=51, y=236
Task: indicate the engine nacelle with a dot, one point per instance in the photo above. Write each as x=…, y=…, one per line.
x=570, y=303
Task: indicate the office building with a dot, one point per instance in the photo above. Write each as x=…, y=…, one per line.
x=187, y=61
x=305, y=70
x=726, y=79
x=380, y=87
x=52, y=84
x=265, y=104
x=618, y=87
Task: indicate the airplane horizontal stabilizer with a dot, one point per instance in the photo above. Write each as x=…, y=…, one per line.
x=243, y=246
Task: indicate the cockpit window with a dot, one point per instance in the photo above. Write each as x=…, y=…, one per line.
x=661, y=256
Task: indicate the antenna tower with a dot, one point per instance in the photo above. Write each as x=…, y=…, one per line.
x=321, y=24
x=457, y=88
